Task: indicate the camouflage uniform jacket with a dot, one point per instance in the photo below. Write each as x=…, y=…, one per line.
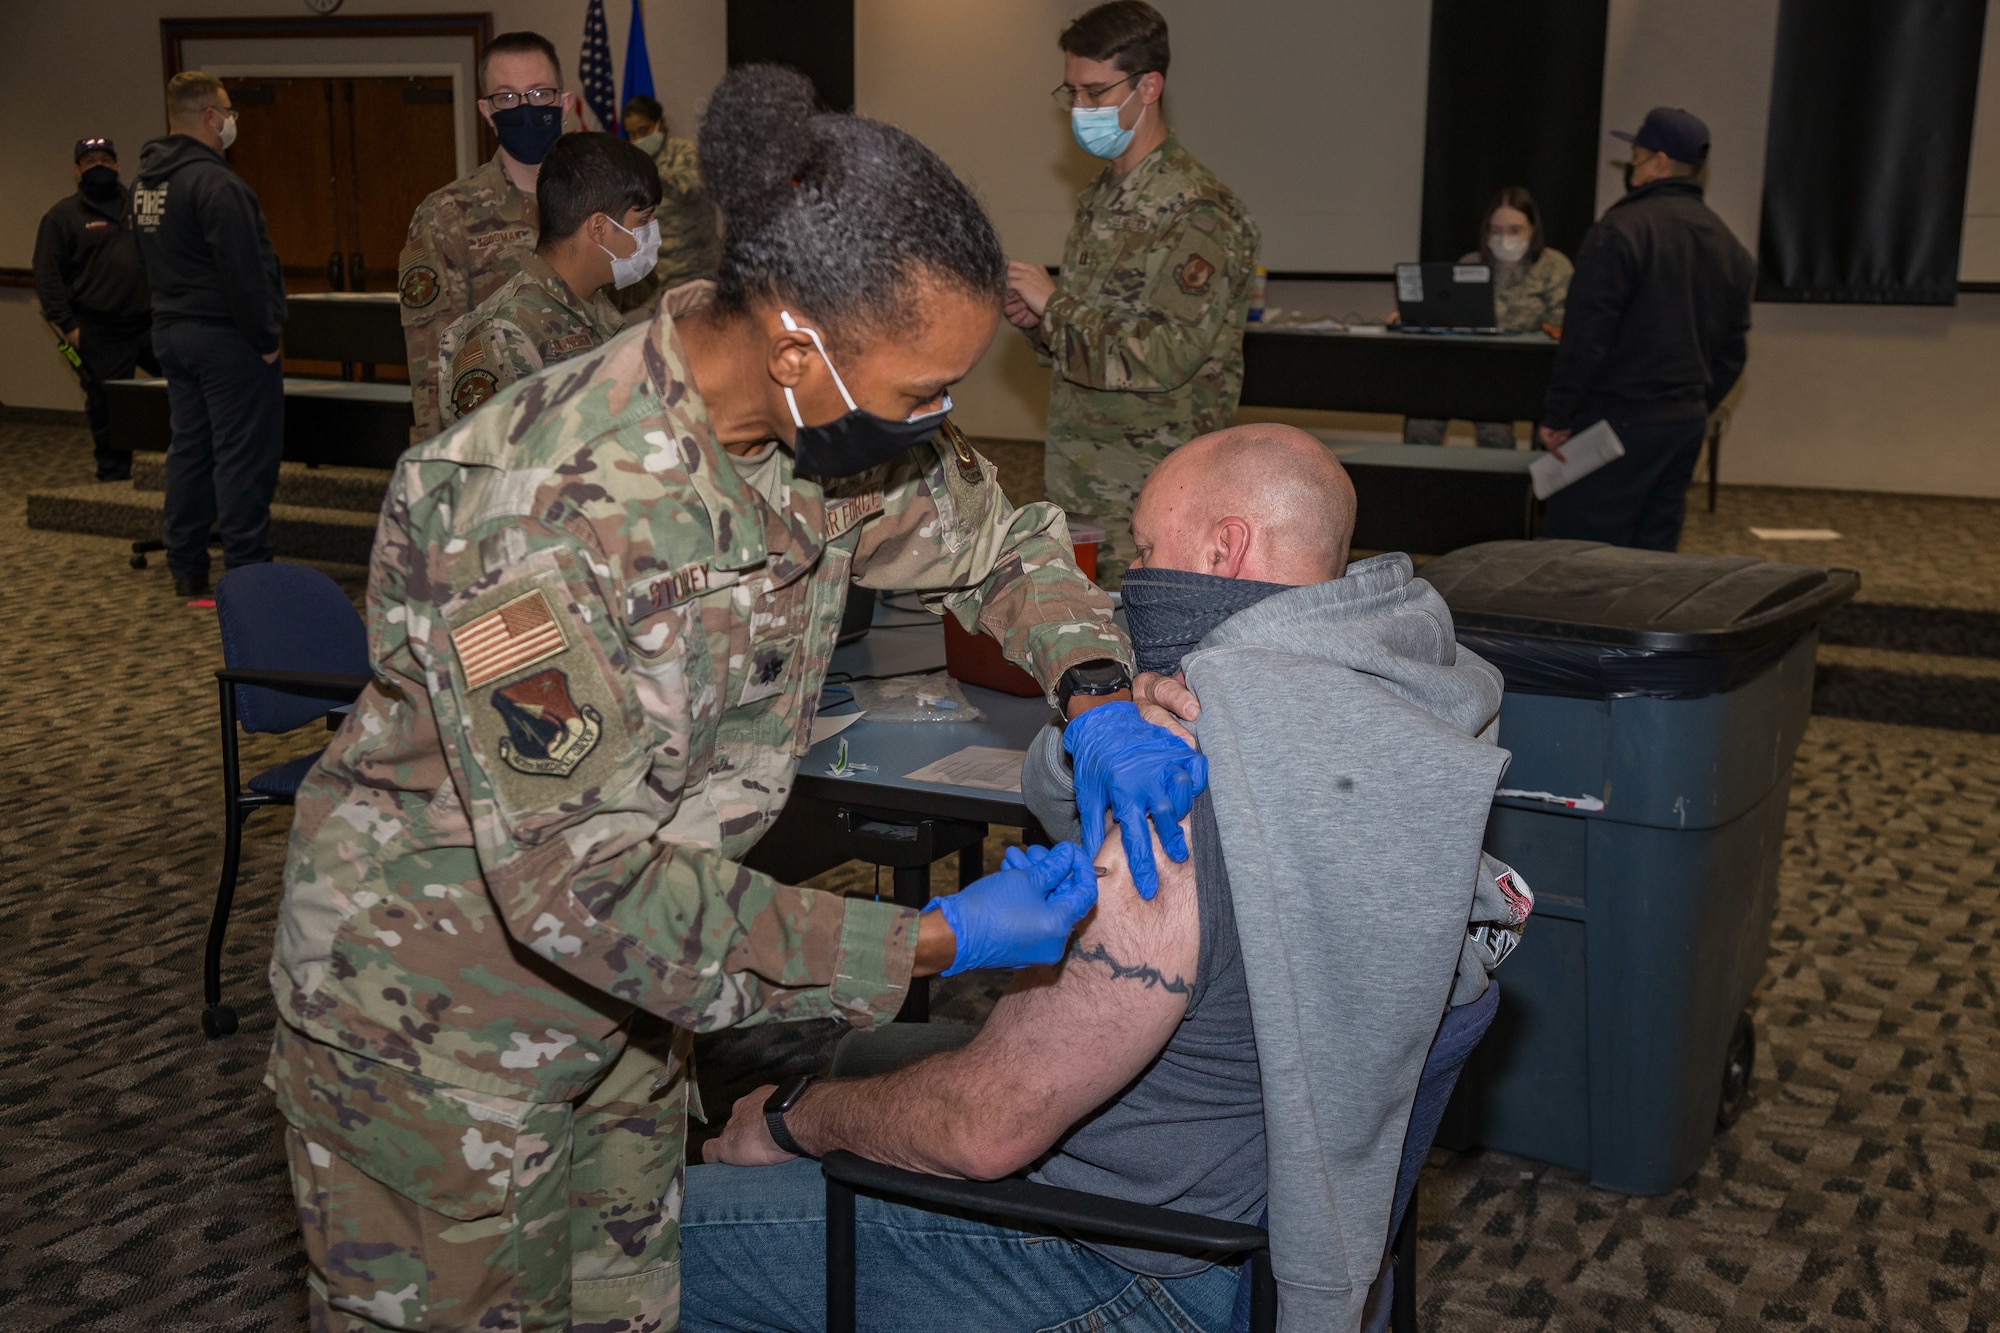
x=1145, y=329
x=1527, y=296
x=597, y=653
x=535, y=320
x=465, y=241
x=690, y=239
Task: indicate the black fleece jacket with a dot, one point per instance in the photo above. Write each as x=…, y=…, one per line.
x=1657, y=315
x=87, y=268
x=202, y=236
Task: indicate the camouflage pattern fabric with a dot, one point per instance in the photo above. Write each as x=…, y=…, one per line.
x=533, y=321
x=1145, y=334
x=465, y=241
x=597, y=653
x=1527, y=296
x=690, y=236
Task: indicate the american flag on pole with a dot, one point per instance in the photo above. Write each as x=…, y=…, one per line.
x=600, y=94
x=507, y=638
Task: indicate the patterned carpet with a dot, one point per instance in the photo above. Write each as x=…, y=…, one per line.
x=141, y=1185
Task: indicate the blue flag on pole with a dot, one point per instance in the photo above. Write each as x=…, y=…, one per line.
x=600, y=95
x=638, y=67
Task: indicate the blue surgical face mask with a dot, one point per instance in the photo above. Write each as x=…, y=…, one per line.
x=1097, y=129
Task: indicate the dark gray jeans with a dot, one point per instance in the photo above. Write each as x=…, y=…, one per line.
x=228, y=410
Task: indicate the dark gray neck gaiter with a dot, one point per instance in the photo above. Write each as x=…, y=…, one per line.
x=1169, y=611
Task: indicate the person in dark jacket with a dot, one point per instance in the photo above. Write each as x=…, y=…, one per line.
x=93, y=289
x=218, y=319
x=1654, y=339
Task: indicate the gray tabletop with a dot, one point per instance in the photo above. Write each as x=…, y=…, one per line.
x=895, y=749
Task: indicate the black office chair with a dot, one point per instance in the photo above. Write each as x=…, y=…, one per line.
x=293, y=649
x=1071, y=1212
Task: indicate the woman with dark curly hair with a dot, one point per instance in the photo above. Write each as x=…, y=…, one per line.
x=600, y=614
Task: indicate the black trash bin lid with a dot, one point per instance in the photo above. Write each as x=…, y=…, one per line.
x=1588, y=592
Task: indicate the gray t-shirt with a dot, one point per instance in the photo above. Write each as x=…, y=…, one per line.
x=1188, y=1133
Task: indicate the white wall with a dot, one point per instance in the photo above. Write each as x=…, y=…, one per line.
x=113, y=51
x=1979, y=251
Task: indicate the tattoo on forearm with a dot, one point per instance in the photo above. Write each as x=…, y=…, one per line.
x=1143, y=973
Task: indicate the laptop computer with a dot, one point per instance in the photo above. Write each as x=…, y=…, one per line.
x=1445, y=298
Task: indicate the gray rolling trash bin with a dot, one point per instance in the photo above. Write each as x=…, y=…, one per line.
x=1654, y=704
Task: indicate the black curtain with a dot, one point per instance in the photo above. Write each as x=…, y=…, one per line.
x=815, y=37
x=1514, y=95
x=1864, y=167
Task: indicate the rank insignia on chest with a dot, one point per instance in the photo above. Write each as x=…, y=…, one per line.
x=419, y=286
x=548, y=732
x=844, y=514
x=1193, y=275
x=507, y=638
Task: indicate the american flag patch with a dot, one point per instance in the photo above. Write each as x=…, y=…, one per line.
x=505, y=639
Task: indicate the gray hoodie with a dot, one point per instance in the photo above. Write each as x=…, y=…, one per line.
x=1352, y=763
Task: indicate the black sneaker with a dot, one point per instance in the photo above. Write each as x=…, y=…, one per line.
x=193, y=586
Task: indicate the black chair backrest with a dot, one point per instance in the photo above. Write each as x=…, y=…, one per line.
x=286, y=618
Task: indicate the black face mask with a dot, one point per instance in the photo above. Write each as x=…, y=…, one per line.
x=528, y=132
x=99, y=182
x=1170, y=611
x=1628, y=178
x=859, y=440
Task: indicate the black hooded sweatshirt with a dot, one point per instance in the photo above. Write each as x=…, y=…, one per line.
x=87, y=268
x=202, y=236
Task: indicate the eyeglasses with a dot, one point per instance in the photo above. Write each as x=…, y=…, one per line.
x=533, y=97
x=1089, y=94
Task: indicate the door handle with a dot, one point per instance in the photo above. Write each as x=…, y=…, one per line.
x=334, y=272
x=356, y=274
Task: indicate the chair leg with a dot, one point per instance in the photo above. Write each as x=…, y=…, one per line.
x=840, y=1316
x=1263, y=1293
x=1403, y=1301
x=217, y=1018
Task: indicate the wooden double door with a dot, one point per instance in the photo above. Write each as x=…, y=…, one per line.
x=340, y=164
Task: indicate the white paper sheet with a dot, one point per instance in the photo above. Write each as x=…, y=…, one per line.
x=1583, y=453
x=983, y=766
x=824, y=726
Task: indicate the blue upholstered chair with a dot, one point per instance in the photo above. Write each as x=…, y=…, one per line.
x=293, y=650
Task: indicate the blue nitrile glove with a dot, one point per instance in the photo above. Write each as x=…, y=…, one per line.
x=1022, y=915
x=1121, y=761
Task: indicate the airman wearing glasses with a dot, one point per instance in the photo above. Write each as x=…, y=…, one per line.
x=467, y=239
x=1144, y=328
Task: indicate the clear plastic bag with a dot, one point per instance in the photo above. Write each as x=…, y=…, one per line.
x=929, y=698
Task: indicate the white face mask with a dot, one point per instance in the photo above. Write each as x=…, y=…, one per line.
x=228, y=132
x=1507, y=249
x=634, y=267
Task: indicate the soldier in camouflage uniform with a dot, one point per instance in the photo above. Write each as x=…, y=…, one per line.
x=690, y=241
x=468, y=238
x=1530, y=287
x=598, y=635
x=1144, y=328
x=596, y=193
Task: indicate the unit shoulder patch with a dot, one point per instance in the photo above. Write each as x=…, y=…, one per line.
x=471, y=389
x=1193, y=275
x=548, y=732
x=419, y=286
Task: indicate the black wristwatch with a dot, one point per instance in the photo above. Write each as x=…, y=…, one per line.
x=1103, y=676
x=784, y=1099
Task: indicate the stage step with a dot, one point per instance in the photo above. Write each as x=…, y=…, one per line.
x=121, y=510
x=359, y=489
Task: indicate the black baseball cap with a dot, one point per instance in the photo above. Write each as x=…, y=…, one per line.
x=94, y=146
x=1681, y=135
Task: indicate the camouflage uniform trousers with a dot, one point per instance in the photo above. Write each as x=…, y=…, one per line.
x=1098, y=482
x=588, y=1237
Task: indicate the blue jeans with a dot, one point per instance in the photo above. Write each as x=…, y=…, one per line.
x=753, y=1257
x=227, y=406
x=1639, y=500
